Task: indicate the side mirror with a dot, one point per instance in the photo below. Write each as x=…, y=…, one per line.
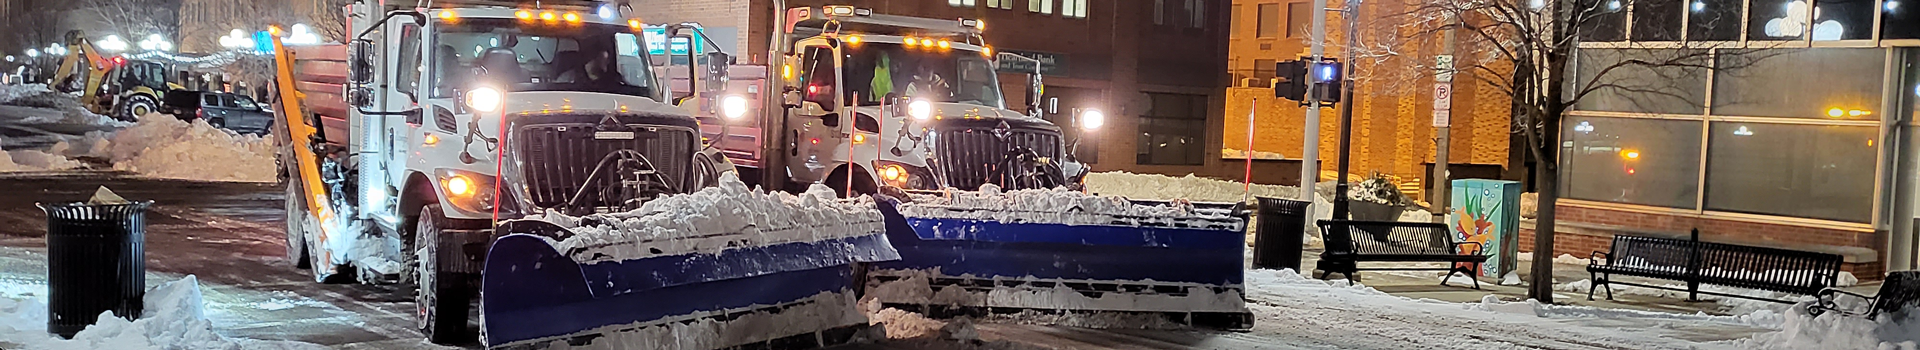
x=360, y=96
x=717, y=71
x=790, y=98
x=360, y=61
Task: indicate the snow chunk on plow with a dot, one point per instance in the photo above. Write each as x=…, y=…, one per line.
x=719, y=268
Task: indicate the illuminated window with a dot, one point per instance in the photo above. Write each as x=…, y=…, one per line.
x=1073, y=8
x=1196, y=13
x=960, y=2
x=1040, y=6
x=1628, y=160
x=1000, y=4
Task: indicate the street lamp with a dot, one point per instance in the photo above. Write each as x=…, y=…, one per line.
x=33, y=53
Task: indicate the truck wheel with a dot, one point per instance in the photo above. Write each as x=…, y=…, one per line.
x=296, y=234
x=136, y=106
x=441, y=302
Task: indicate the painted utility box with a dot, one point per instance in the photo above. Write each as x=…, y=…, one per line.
x=1488, y=212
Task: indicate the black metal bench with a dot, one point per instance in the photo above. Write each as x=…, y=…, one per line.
x=1352, y=242
x=1696, y=263
x=1899, y=294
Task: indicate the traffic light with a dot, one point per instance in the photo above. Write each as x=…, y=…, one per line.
x=1327, y=73
x=1293, y=82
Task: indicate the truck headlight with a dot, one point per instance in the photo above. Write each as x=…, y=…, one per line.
x=484, y=99
x=920, y=109
x=905, y=176
x=466, y=190
x=733, y=107
x=1092, y=119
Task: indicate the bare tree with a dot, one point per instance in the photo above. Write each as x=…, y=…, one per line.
x=1530, y=51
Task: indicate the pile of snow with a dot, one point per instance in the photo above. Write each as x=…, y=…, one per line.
x=166, y=147
x=1835, y=331
x=1062, y=206
x=9, y=93
x=1231, y=154
x=716, y=218
x=173, y=318
x=1730, y=305
x=1563, y=259
x=1190, y=187
x=34, y=160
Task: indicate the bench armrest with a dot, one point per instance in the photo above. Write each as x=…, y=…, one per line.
x=1825, y=301
x=1476, y=246
x=1593, y=259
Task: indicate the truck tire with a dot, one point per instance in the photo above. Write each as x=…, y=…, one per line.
x=296, y=234
x=442, y=299
x=136, y=106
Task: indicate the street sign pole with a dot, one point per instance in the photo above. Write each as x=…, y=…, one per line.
x=1310, y=147
x=1340, y=186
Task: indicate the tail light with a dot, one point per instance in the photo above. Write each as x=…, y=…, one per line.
x=200, y=113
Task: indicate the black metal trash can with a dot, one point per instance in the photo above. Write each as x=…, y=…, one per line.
x=1277, y=239
x=96, y=261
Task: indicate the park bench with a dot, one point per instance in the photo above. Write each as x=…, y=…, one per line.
x=1696, y=263
x=1899, y=294
x=1349, y=243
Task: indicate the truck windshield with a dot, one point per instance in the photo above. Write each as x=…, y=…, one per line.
x=945, y=75
x=533, y=57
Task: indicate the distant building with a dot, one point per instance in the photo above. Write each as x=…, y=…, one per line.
x=1155, y=66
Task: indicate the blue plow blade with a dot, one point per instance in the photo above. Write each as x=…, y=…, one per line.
x=971, y=253
x=532, y=294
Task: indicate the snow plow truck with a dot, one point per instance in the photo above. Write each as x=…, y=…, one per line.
x=928, y=117
x=523, y=156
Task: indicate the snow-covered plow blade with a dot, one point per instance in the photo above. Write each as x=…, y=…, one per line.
x=736, y=270
x=1057, y=251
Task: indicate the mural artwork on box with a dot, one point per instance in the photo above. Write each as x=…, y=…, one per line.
x=1484, y=213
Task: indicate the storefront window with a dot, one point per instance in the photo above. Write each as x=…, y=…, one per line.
x=1656, y=20
x=1843, y=19
x=1676, y=88
x=1714, y=20
x=1606, y=21
x=1810, y=171
x=1900, y=19
x=1174, y=130
x=1778, y=19
x=1637, y=161
x=1822, y=83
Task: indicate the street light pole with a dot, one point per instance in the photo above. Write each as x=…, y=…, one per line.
x=1352, y=17
x=1310, y=147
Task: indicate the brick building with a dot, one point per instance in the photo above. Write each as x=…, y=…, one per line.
x=1155, y=66
x=1392, y=128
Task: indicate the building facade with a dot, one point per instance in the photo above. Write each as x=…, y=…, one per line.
x=1393, y=128
x=1154, y=66
x=1770, y=129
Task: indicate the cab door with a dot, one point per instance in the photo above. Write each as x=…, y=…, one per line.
x=818, y=123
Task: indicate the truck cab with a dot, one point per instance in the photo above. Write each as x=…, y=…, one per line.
x=927, y=107
x=451, y=119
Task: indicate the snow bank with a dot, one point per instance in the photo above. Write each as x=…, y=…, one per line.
x=717, y=218
x=173, y=318
x=164, y=146
x=34, y=160
x=1730, y=305
x=1834, y=331
x=38, y=96
x=1062, y=206
x=13, y=92
x=1190, y=187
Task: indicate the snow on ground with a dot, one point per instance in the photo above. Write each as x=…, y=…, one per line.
x=12, y=92
x=1061, y=206
x=174, y=318
x=1834, y=331
x=38, y=95
x=34, y=160
x=164, y=146
x=726, y=216
x=1290, y=306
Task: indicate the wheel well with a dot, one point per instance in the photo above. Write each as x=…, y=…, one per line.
x=417, y=193
x=862, y=182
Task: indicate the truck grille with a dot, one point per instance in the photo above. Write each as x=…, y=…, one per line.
x=968, y=156
x=559, y=158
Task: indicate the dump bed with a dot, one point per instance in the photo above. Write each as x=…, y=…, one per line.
x=320, y=73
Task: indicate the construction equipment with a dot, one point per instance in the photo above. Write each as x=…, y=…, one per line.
x=497, y=151
x=122, y=88
x=905, y=82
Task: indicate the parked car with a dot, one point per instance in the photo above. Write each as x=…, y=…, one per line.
x=220, y=109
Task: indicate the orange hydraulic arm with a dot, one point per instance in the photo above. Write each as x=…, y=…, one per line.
x=299, y=135
x=81, y=52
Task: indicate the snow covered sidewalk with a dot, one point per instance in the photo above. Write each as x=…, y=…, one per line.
x=174, y=318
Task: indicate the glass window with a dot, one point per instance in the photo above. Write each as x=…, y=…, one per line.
x=1844, y=19
x=1812, y=171
x=210, y=100
x=1900, y=19
x=246, y=103
x=1073, y=8
x=1196, y=13
x=1656, y=20
x=1173, y=130
x=1827, y=83
x=1041, y=6
x=1677, y=88
x=1237, y=22
x=1778, y=19
x=821, y=78
x=1636, y=161
x=1714, y=20
x=592, y=57
x=960, y=2
x=1159, y=12
x=1299, y=20
x=227, y=101
x=1269, y=21
x=1608, y=21
x=408, y=74
x=1000, y=4
x=875, y=69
